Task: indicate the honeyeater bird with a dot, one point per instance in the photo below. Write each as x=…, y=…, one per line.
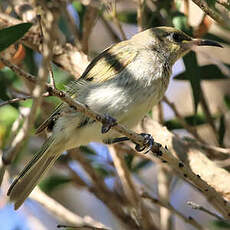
x=124, y=81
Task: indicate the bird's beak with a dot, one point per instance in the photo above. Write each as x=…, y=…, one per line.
x=204, y=42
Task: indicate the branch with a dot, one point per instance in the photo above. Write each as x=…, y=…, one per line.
x=201, y=208
x=168, y=206
x=219, y=18
x=47, y=48
x=66, y=56
x=140, y=12
x=189, y=162
x=157, y=150
x=89, y=20
x=116, y=20
x=14, y=100
x=142, y=213
x=189, y=128
x=64, y=214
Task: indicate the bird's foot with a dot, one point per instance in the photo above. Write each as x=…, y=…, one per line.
x=115, y=140
x=107, y=123
x=148, y=142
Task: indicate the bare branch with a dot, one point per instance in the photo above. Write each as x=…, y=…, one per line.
x=157, y=150
x=219, y=18
x=62, y=213
x=140, y=12
x=89, y=21
x=66, y=56
x=190, y=129
x=142, y=215
x=168, y=206
x=193, y=205
x=116, y=20
x=14, y=100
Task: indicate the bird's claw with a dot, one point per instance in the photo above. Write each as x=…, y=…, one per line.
x=107, y=123
x=148, y=142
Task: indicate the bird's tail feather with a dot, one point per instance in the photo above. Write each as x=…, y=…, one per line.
x=30, y=176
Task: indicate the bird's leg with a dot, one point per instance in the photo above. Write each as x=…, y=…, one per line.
x=148, y=142
x=107, y=123
x=115, y=140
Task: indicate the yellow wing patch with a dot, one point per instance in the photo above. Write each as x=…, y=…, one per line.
x=109, y=63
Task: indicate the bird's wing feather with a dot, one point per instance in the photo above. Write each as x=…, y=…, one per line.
x=102, y=68
x=109, y=63
x=50, y=119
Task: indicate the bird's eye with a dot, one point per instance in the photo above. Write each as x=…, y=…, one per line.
x=178, y=37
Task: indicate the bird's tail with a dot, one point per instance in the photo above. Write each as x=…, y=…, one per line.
x=30, y=176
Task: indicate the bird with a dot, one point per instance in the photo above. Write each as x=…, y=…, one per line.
x=125, y=81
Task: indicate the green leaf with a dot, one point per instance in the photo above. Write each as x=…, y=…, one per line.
x=102, y=170
x=180, y=21
x=129, y=17
x=207, y=72
x=11, y=34
x=211, y=3
x=7, y=78
x=221, y=131
x=141, y=164
x=87, y=150
x=193, y=74
x=193, y=120
x=8, y=114
x=51, y=183
x=220, y=224
x=227, y=101
x=128, y=160
x=81, y=9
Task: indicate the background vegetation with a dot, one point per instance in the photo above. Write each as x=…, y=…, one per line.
x=95, y=187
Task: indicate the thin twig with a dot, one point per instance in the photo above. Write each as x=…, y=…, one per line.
x=79, y=227
x=208, y=114
x=142, y=214
x=110, y=30
x=189, y=128
x=51, y=74
x=16, y=144
x=140, y=14
x=71, y=24
x=14, y=100
x=116, y=20
x=157, y=150
x=62, y=213
x=164, y=177
x=220, y=18
x=89, y=20
x=124, y=175
x=168, y=206
x=66, y=56
x=193, y=205
x=100, y=190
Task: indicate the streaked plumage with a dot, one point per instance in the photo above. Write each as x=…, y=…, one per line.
x=124, y=81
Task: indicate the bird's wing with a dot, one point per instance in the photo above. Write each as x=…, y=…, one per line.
x=109, y=63
x=50, y=121
x=102, y=68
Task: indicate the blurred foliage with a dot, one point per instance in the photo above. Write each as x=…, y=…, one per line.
x=220, y=225
x=192, y=120
x=221, y=131
x=52, y=182
x=10, y=35
x=164, y=12
x=207, y=72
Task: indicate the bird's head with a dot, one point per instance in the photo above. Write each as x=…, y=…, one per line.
x=169, y=42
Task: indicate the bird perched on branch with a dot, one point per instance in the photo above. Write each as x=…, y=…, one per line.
x=125, y=81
